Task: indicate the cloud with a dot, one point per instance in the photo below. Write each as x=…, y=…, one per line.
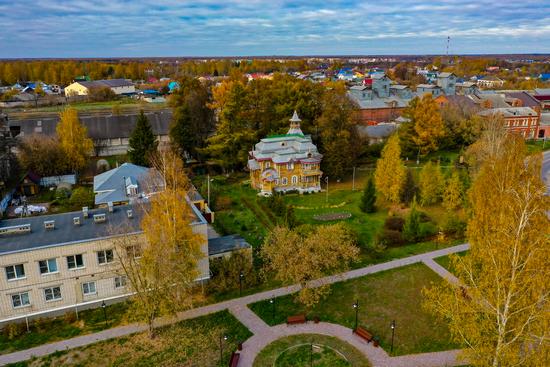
x=97, y=28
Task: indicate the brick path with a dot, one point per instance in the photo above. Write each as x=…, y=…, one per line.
x=237, y=307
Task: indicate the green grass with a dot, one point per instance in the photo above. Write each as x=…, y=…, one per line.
x=50, y=330
x=383, y=297
x=193, y=342
x=445, y=261
x=536, y=146
x=295, y=351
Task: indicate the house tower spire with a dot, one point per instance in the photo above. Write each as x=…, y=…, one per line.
x=295, y=124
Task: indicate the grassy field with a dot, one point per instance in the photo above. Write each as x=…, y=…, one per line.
x=295, y=351
x=193, y=342
x=383, y=297
x=49, y=330
x=445, y=261
x=535, y=146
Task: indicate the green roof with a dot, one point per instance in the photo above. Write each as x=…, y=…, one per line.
x=285, y=135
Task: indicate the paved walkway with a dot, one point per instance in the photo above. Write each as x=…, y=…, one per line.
x=377, y=356
x=236, y=306
x=444, y=273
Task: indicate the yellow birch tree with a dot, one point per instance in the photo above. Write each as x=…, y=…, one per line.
x=390, y=173
x=73, y=139
x=162, y=265
x=500, y=311
x=453, y=193
x=430, y=183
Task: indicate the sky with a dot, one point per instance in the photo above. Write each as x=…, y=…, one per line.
x=141, y=28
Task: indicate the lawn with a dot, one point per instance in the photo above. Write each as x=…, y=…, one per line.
x=295, y=351
x=383, y=297
x=64, y=327
x=536, y=146
x=445, y=261
x=193, y=342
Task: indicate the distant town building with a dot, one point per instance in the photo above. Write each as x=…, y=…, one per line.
x=489, y=82
x=118, y=86
x=284, y=163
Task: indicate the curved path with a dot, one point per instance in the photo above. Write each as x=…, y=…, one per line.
x=377, y=356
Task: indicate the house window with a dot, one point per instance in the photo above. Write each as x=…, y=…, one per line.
x=105, y=256
x=75, y=261
x=88, y=288
x=15, y=272
x=290, y=166
x=294, y=180
x=285, y=181
x=267, y=165
x=52, y=294
x=47, y=266
x=120, y=281
x=133, y=251
x=20, y=299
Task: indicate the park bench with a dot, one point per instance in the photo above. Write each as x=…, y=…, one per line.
x=298, y=319
x=363, y=333
x=234, y=361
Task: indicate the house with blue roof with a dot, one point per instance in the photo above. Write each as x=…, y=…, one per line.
x=125, y=184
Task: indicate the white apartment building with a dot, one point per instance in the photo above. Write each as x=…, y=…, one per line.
x=56, y=263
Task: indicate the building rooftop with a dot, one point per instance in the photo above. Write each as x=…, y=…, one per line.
x=510, y=111
x=111, y=83
x=98, y=126
x=65, y=232
x=221, y=245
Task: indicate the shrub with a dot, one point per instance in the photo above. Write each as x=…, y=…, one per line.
x=70, y=317
x=394, y=223
x=12, y=331
x=388, y=237
x=82, y=196
x=454, y=227
x=426, y=230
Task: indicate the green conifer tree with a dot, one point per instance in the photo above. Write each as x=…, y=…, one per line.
x=368, y=199
x=142, y=143
x=411, y=228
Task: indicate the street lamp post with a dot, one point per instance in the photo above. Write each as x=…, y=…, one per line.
x=392, y=334
x=104, y=307
x=222, y=339
x=272, y=301
x=326, y=181
x=356, y=307
x=241, y=276
x=353, y=180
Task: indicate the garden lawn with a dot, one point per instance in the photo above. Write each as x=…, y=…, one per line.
x=445, y=261
x=294, y=351
x=193, y=342
x=64, y=327
x=391, y=295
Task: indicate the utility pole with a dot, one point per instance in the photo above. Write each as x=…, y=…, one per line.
x=353, y=180
x=208, y=189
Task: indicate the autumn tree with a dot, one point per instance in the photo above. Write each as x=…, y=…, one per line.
x=73, y=139
x=390, y=172
x=430, y=183
x=500, y=309
x=296, y=258
x=339, y=140
x=368, y=200
x=426, y=125
x=163, y=264
x=42, y=155
x=453, y=192
x=192, y=119
x=142, y=142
